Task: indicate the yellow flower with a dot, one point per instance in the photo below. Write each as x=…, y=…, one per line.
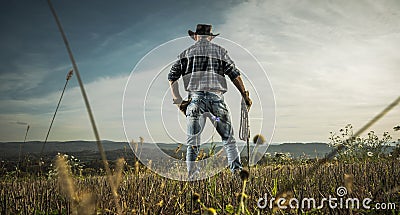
x=211, y=211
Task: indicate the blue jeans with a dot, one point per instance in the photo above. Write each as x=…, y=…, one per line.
x=207, y=104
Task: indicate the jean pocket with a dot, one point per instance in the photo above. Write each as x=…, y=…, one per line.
x=193, y=109
x=221, y=106
x=220, y=110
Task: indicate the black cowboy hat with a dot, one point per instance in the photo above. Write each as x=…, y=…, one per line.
x=202, y=29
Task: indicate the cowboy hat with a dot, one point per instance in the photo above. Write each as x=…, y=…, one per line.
x=202, y=29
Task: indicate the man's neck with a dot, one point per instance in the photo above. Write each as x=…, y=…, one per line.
x=203, y=40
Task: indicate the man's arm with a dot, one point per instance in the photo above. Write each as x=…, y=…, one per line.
x=234, y=74
x=175, y=73
x=176, y=97
x=173, y=76
x=238, y=82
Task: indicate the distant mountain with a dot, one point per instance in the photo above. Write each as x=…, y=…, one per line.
x=10, y=150
x=311, y=150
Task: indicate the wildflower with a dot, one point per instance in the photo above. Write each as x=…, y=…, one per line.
x=211, y=211
x=161, y=203
x=229, y=208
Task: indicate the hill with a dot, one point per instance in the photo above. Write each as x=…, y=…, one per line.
x=11, y=150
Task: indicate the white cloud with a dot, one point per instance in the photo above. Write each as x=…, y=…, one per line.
x=72, y=120
x=330, y=63
x=26, y=72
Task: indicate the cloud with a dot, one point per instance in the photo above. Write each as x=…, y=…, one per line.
x=72, y=120
x=330, y=63
x=21, y=123
x=23, y=74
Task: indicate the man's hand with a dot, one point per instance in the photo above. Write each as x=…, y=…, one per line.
x=183, y=105
x=240, y=86
x=247, y=99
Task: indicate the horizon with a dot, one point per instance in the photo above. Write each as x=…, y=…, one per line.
x=391, y=143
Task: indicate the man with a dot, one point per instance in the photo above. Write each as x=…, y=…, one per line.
x=203, y=67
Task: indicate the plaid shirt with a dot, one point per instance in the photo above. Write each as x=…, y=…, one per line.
x=203, y=67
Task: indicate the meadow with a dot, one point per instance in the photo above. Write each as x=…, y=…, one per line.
x=140, y=191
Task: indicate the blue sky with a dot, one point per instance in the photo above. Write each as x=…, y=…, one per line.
x=329, y=63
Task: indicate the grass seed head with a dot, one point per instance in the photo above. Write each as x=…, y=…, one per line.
x=196, y=197
x=65, y=178
x=244, y=174
x=259, y=139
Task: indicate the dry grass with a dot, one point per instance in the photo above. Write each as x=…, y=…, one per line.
x=143, y=192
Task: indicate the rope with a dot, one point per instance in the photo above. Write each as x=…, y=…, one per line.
x=244, y=129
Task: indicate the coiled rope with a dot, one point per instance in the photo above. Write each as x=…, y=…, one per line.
x=244, y=129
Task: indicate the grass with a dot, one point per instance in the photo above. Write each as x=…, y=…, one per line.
x=141, y=191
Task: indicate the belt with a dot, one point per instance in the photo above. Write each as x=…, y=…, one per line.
x=208, y=91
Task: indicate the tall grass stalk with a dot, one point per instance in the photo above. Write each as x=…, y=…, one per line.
x=244, y=176
x=88, y=108
x=20, y=147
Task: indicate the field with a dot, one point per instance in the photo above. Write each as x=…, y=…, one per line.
x=141, y=191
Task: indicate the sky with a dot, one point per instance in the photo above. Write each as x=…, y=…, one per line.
x=328, y=64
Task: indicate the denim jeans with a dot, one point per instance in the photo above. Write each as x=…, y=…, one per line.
x=209, y=105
